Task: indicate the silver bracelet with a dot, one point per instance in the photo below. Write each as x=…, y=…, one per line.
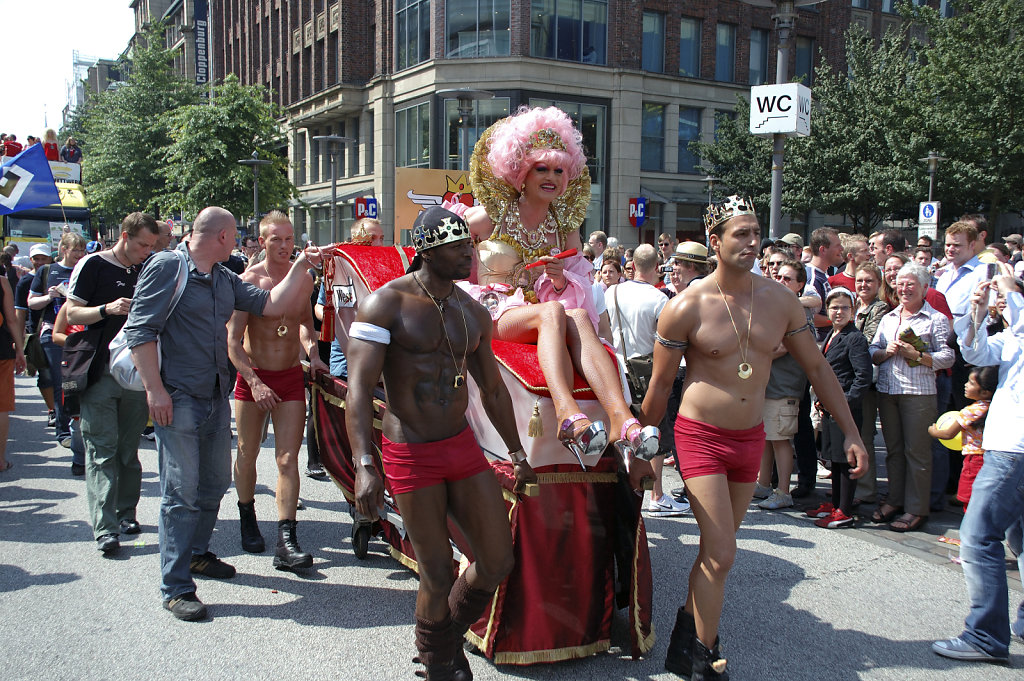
x=366, y=461
x=518, y=456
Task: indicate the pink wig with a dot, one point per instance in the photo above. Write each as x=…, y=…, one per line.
x=511, y=155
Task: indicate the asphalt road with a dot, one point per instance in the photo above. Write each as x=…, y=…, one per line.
x=802, y=603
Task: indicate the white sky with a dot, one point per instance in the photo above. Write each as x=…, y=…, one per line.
x=37, y=45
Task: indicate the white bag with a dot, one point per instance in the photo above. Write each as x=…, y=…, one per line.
x=122, y=364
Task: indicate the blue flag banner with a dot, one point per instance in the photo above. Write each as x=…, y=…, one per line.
x=26, y=182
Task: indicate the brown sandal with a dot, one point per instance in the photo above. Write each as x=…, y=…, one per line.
x=908, y=522
x=882, y=516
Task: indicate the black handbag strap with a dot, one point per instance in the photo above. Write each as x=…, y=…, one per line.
x=618, y=320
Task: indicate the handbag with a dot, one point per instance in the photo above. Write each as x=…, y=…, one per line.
x=76, y=360
x=34, y=352
x=122, y=364
x=638, y=369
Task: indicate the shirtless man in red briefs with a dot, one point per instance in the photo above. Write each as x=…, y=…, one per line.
x=719, y=431
x=266, y=351
x=425, y=334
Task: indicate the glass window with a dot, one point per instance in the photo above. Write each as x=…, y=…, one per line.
x=653, y=52
x=592, y=122
x=889, y=6
x=485, y=113
x=725, y=53
x=412, y=136
x=862, y=4
x=477, y=28
x=412, y=32
x=300, y=158
x=805, y=60
x=946, y=10
x=573, y=30
x=689, y=47
x=758, y=56
x=314, y=158
x=689, y=131
x=652, y=137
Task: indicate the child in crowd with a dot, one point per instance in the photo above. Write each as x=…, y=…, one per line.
x=846, y=350
x=970, y=422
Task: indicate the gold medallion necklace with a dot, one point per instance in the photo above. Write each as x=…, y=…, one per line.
x=439, y=303
x=744, y=370
x=282, y=328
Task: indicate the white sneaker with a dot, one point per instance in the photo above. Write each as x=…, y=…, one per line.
x=823, y=473
x=761, y=492
x=666, y=506
x=776, y=501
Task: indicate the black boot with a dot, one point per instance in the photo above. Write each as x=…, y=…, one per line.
x=708, y=665
x=252, y=540
x=289, y=555
x=679, y=658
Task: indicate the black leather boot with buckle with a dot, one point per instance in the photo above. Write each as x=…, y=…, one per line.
x=679, y=659
x=289, y=555
x=252, y=540
x=708, y=665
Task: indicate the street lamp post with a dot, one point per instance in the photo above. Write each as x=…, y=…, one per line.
x=332, y=151
x=710, y=181
x=932, y=159
x=255, y=163
x=785, y=22
x=465, y=96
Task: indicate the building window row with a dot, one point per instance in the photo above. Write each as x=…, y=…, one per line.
x=412, y=32
x=477, y=28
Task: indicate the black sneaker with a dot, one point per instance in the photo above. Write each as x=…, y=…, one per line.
x=209, y=565
x=316, y=471
x=186, y=607
x=51, y=419
x=130, y=527
x=108, y=544
x=149, y=433
x=78, y=469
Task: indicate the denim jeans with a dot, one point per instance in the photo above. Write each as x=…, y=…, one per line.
x=997, y=505
x=195, y=471
x=54, y=355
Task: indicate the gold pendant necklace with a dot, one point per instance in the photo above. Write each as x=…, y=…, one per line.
x=439, y=303
x=744, y=370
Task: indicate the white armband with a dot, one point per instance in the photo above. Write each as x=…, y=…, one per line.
x=369, y=332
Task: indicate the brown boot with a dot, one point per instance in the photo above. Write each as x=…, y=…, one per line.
x=433, y=641
x=467, y=605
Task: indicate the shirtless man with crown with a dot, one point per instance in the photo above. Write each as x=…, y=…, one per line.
x=719, y=431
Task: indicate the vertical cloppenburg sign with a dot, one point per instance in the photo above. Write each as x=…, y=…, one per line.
x=637, y=211
x=780, y=109
x=199, y=14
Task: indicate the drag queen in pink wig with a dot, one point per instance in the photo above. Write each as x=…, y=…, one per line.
x=529, y=174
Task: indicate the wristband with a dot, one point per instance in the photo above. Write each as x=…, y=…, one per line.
x=103, y=311
x=366, y=461
x=518, y=456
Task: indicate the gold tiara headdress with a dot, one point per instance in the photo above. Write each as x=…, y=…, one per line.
x=718, y=213
x=545, y=138
x=436, y=226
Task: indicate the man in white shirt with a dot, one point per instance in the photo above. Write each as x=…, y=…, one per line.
x=959, y=280
x=598, y=241
x=997, y=498
x=633, y=310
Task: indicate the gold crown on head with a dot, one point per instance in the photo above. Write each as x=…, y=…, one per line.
x=545, y=138
x=716, y=214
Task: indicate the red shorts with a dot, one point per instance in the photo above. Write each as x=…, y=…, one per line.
x=704, y=449
x=289, y=384
x=410, y=466
x=971, y=468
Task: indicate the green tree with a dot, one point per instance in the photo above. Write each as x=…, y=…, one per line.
x=741, y=161
x=126, y=134
x=867, y=134
x=972, y=76
x=200, y=165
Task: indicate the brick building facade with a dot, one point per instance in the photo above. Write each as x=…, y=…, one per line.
x=640, y=77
